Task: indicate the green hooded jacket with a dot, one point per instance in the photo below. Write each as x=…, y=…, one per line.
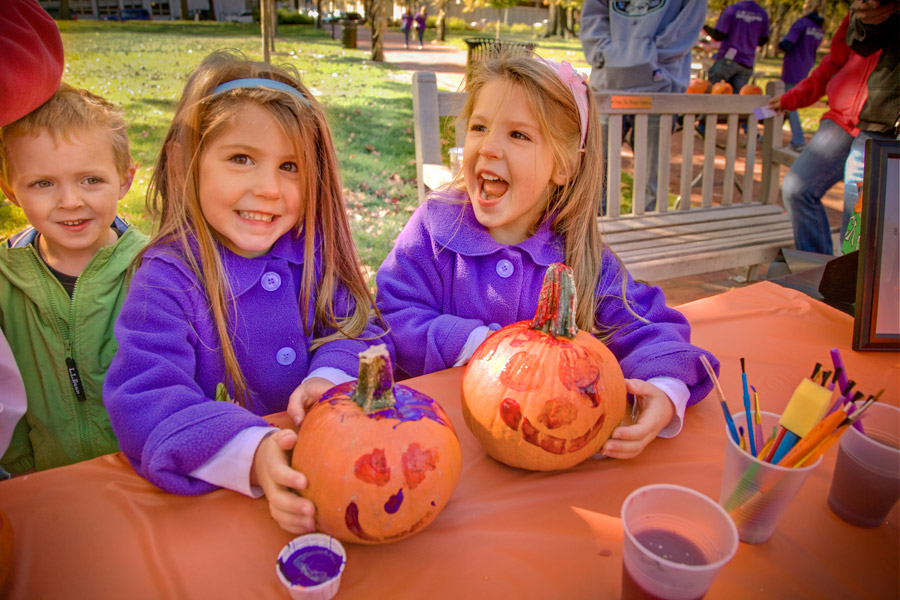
x=62, y=347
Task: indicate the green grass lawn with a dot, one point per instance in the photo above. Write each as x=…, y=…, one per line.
x=142, y=67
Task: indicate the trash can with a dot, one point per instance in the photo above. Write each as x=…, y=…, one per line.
x=348, y=35
x=478, y=48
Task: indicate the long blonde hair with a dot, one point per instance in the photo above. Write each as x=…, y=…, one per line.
x=173, y=197
x=573, y=205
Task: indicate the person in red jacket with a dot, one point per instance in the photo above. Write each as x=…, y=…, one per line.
x=843, y=75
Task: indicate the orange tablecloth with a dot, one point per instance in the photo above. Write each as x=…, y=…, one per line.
x=97, y=530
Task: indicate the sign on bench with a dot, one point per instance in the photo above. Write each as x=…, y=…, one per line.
x=734, y=220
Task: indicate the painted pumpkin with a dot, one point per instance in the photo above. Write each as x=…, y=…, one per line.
x=750, y=90
x=541, y=394
x=6, y=549
x=698, y=86
x=721, y=87
x=382, y=460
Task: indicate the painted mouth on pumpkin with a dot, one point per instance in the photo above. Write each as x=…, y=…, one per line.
x=511, y=414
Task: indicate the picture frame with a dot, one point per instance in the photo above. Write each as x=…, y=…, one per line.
x=876, y=323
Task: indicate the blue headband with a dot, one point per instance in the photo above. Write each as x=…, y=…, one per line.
x=258, y=82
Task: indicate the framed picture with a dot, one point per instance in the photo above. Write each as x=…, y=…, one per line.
x=876, y=324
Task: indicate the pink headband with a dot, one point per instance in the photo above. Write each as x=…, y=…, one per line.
x=575, y=82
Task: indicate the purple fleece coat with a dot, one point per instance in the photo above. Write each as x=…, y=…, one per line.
x=161, y=385
x=446, y=276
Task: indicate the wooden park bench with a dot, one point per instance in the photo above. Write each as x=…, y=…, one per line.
x=708, y=231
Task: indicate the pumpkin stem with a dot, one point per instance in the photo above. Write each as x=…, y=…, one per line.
x=375, y=388
x=556, y=305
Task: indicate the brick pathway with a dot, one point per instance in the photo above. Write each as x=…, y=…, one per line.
x=449, y=62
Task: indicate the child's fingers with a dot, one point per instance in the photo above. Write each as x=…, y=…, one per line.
x=627, y=442
x=286, y=439
x=295, y=408
x=292, y=513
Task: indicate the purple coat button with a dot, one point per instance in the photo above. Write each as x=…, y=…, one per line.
x=505, y=268
x=271, y=281
x=286, y=356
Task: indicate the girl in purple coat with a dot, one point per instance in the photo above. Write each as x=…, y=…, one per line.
x=247, y=301
x=472, y=258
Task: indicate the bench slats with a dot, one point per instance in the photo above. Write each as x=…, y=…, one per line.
x=716, y=213
x=688, y=245
x=708, y=229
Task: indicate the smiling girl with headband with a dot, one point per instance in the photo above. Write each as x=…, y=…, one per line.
x=248, y=296
x=473, y=257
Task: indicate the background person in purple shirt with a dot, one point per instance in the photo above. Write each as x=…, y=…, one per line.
x=799, y=47
x=741, y=28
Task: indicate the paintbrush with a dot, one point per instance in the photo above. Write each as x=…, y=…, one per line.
x=728, y=420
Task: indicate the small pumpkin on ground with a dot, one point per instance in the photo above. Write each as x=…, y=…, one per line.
x=382, y=459
x=698, y=86
x=721, y=87
x=541, y=394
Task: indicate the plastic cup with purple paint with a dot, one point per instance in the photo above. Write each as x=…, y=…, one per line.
x=310, y=566
x=676, y=542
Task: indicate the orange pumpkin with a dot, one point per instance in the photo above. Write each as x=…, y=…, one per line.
x=722, y=87
x=698, y=86
x=6, y=549
x=750, y=90
x=541, y=394
x=382, y=460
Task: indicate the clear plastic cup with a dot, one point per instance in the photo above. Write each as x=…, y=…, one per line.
x=676, y=542
x=310, y=566
x=866, y=481
x=756, y=493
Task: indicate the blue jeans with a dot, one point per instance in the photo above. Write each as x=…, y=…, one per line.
x=853, y=172
x=734, y=73
x=652, y=151
x=819, y=166
x=793, y=116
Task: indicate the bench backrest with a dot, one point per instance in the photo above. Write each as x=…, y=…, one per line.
x=430, y=105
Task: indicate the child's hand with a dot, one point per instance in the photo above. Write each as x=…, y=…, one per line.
x=273, y=473
x=306, y=394
x=775, y=103
x=656, y=410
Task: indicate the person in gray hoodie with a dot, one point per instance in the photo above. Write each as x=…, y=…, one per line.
x=641, y=46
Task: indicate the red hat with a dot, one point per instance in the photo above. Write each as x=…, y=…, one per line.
x=31, y=58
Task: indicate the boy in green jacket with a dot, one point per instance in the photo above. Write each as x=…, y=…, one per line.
x=63, y=280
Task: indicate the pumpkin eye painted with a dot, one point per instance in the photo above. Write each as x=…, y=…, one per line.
x=416, y=464
x=373, y=468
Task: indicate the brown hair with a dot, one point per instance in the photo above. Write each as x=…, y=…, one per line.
x=68, y=113
x=573, y=205
x=173, y=196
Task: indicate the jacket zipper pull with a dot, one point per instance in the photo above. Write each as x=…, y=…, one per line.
x=75, y=378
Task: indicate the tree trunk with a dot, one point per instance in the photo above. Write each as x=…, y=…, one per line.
x=379, y=17
x=264, y=22
x=553, y=21
x=441, y=25
x=182, y=5
x=499, y=16
x=780, y=14
x=64, y=12
x=212, y=10
x=318, y=14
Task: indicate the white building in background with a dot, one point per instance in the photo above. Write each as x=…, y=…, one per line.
x=171, y=9
x=158, y=9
